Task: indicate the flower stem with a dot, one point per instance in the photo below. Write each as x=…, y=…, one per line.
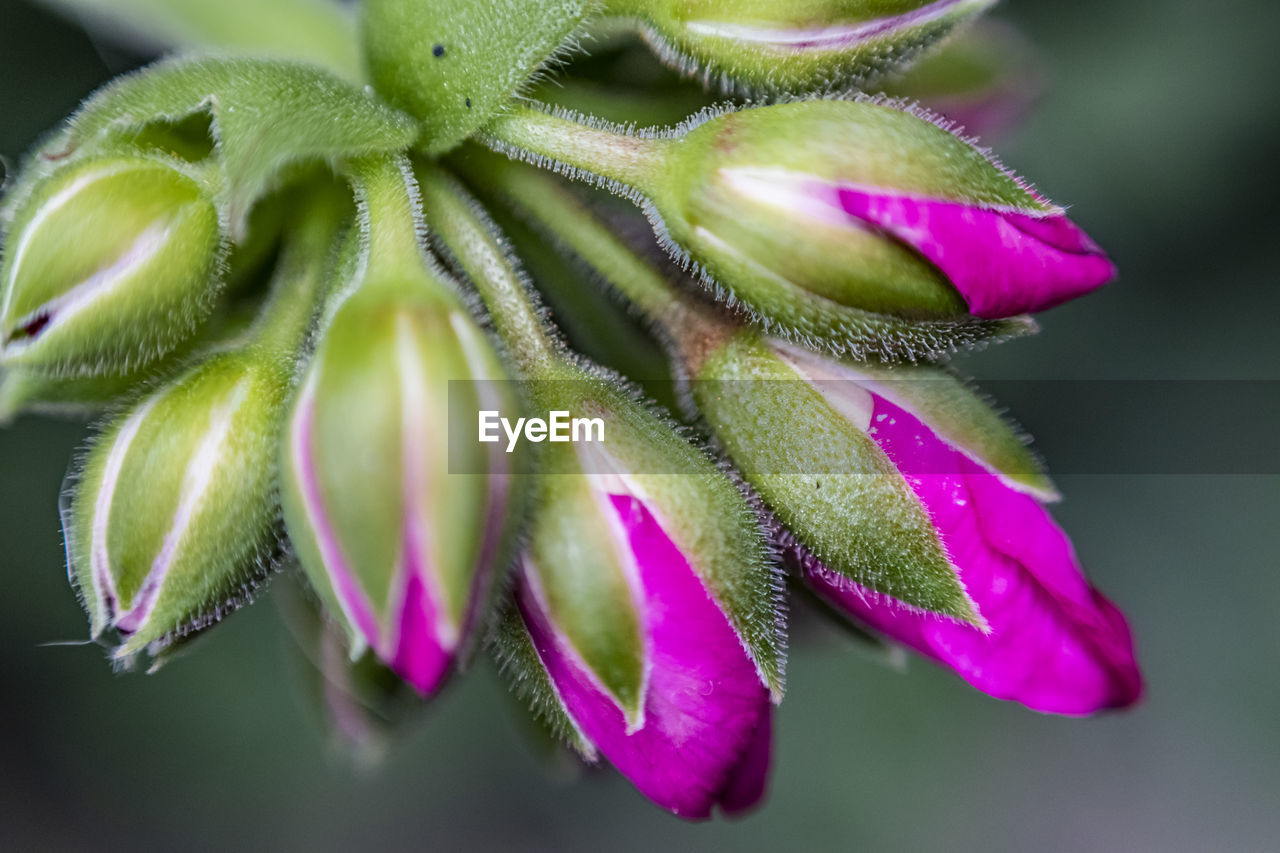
x=553, y=209
x=300, y=279
x=537, y=136
x=458, y=223
x=390, y=217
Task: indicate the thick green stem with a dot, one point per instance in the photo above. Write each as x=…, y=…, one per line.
x=390, y=217
x=458, y=223
x=537, y=136
x=546, y=202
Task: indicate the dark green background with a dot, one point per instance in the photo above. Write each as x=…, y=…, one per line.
x=1161, y=128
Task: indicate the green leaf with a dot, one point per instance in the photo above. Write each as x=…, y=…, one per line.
x=266, y=115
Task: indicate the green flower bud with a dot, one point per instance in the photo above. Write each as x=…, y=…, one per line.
x=854, y=225
x=110, y=264
x=401, y=548
x=455, y=64
x=402, y=534
x=793, y=45
x=174, y=515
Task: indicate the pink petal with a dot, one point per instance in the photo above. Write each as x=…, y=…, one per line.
x=1055, y=644
x=749, y=782
x=1002, y=262
x=705, y=704
x=420, y=658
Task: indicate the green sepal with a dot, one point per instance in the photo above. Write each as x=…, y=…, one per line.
x=825, y=479
x=793, y=46
x=266, y=115
x=584, y=580
x=455, y=64
x=517, y=659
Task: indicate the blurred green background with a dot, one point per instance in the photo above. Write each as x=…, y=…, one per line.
x=1161, y=127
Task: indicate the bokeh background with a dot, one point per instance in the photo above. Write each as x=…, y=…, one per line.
x=1161, y=127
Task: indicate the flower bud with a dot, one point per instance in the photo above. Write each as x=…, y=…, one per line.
x=402, y=549
x=173, y=519
x=794, y=45
x=809, y=208
x=110, y=264
x=650, y=608
x=455, y=64
x=1039, y=633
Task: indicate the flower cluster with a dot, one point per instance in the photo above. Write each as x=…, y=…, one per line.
x=292, y=297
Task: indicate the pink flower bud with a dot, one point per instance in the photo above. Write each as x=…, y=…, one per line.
x=701, y=736
x=1053, y=643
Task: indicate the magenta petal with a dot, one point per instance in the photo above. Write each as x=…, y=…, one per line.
x=704, y=704
x=1055, y=644
x=1002, y=262
x=750, y=780
x=420, y=658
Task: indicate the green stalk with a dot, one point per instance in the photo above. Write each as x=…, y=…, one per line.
x=636, y=162
x=458, y=222
x=300, y=281
x=390, y=217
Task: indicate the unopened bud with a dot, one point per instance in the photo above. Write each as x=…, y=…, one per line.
x=794, y=45
x=173, y=519
x=403, y=551
x=644, y=592
x=110, y=264
x=801, y=206
x=852, y=224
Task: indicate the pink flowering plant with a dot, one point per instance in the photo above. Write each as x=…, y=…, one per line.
x=278, y=266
